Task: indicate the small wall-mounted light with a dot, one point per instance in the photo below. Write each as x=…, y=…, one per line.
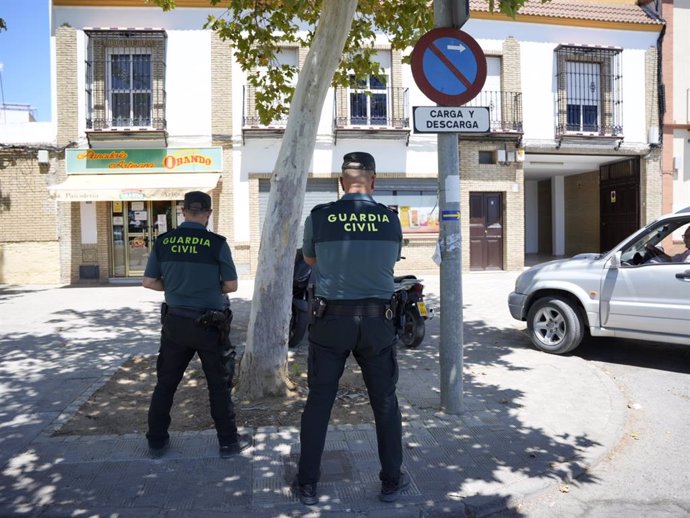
x=43, y=157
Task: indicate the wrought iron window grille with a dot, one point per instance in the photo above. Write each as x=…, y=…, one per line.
x=125, y=80
x=589, y=99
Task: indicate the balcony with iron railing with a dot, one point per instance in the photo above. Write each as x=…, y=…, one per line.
x=375, y=109
x=505, y=110
x=382, y=113
x=576, y=119
x=251, y=122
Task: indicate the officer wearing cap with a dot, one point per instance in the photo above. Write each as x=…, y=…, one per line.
x=355, y=243
x=194, y=268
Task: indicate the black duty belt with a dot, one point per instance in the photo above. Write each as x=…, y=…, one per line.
x=360, y=310
x=185, y=313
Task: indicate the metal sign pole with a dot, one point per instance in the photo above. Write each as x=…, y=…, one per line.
x=450, y=242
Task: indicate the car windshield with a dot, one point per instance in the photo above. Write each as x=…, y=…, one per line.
x=635, y=252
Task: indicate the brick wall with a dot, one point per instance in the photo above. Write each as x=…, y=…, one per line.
x=29, y=251
x=654, y=194
x=67, y=86
x=27, y=214
x=67, y=132
x=221, y=122
x=651, y=194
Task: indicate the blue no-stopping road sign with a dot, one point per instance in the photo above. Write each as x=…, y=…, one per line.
x=448, y=66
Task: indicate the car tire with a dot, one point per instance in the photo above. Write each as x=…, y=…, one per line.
x=554, y=325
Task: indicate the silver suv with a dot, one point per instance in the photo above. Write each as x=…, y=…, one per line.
x=633, y=291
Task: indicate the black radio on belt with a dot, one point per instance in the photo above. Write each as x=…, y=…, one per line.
x=318, y=307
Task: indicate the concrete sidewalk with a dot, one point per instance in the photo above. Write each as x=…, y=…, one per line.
x=531, y=420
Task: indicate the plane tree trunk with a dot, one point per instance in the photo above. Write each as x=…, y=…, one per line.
x=263, y=369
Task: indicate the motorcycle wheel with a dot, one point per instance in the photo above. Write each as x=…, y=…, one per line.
x=413, y=329
x=299, y=321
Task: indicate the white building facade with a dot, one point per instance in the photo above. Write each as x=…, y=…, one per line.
x=149, y=105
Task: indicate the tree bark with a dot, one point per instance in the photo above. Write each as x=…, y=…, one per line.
x=263, y=369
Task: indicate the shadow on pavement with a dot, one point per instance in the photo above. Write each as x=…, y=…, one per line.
x=481, y=461
x=651, y=355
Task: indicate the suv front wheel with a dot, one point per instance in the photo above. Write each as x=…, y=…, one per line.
x=554, y=325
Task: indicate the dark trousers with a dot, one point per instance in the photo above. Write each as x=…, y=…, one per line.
x=181, y=338
x=372, y=342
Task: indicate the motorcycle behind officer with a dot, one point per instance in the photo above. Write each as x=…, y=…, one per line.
x=354, y=243
x=194, y=268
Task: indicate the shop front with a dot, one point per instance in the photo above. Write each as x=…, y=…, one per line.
x=139, y=192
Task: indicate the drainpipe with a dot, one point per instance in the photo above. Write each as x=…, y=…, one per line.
x=660, y=84
x=666, y=182
x=661, y=88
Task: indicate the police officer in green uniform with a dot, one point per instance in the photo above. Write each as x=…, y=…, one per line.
x=354, y=243
x=194, y=268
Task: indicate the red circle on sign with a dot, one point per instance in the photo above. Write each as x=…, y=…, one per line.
x=417, y=57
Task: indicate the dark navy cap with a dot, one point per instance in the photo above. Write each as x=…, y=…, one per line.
x=359, y=160
x=197, y=200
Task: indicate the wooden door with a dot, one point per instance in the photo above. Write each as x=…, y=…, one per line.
x=619, y=194
x=486, y=231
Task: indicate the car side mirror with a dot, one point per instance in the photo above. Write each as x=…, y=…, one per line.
x=615, y=262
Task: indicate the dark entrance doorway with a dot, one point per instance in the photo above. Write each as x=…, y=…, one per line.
x=619, y=195
x=486, y=231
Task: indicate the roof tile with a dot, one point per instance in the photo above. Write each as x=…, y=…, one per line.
x=625, y=13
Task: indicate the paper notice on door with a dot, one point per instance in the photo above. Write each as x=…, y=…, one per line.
x=162, y=223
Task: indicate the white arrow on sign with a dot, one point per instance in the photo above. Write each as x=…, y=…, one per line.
x=456, y=47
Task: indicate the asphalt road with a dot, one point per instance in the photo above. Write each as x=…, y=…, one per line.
x=647, y=474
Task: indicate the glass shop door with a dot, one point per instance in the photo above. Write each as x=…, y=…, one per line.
x=136, y=225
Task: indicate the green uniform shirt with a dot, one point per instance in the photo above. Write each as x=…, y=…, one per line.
x=193, y=263
x=356, y=242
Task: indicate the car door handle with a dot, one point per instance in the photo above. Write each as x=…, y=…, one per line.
x=683, y=275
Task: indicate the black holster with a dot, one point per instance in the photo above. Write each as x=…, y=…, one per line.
x=164, y=311
x=220, y=320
